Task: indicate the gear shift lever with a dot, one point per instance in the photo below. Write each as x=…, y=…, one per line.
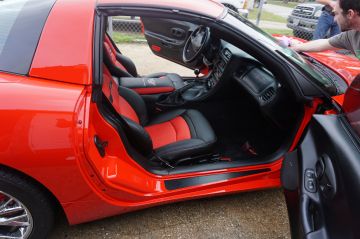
x=197, y=72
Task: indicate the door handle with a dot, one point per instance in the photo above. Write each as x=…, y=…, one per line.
x=306, y=217
x=307, y=214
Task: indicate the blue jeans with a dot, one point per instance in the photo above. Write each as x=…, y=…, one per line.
x=326, y=22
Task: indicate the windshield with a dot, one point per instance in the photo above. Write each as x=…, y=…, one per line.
x=277, y=45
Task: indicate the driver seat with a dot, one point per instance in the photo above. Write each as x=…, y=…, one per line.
x=122, y=66
x=173, y=136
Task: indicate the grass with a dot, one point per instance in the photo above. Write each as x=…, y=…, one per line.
x=286, y=32
x=266, y=16
x=281, y=3
x=127, y=37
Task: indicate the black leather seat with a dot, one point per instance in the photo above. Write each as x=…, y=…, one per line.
x=122, y=66
x=172, y=135
x=201, y=138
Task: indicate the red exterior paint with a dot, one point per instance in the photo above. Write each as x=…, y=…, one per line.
x=308, y=113
x=48, y=125
x=65, y=49
x=41, y=134
x=347, y=67
x=203, y=7
x=128, y=185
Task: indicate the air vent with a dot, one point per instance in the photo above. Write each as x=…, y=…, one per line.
x=268, y=94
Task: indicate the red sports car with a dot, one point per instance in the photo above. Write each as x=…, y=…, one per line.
x=83, y=133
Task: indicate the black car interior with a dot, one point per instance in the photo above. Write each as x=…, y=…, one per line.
x=237, y=112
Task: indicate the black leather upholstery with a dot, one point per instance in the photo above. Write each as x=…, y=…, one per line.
x=177, y=81
x=202, y=135
x=131, y=70
x=128, y=64
x=168, y=81
x=138, y=137
x=137, y=103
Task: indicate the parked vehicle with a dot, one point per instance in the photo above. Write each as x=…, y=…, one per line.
x=304, y=18
x=239, y=6
x=84, y=134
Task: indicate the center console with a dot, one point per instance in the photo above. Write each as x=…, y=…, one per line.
x=151, y=86
x=168, y=94
x=199, y=88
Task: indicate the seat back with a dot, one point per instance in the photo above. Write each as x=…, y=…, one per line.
x=118, y=64
x=131, y=111
x=111, y=90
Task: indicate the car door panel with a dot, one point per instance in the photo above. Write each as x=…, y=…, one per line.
x=167, y=38
x=328, y=192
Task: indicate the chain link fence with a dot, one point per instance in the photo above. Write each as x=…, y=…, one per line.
x=272, y=16
x=126, y=29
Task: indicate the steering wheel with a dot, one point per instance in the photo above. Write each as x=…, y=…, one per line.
x=196, y=44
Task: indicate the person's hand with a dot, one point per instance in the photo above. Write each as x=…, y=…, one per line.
x=296, y=47
x=284, y=41
x=332, y=4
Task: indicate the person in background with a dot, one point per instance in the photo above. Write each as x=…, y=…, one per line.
x=326, y=21
x=347, y=15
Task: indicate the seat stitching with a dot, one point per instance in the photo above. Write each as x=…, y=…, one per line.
x=176, y=134
x=189, y=118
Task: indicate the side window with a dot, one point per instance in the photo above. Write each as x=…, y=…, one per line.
x=352, y=104
x=9, y=12
x=143, y=41
x=21, y=23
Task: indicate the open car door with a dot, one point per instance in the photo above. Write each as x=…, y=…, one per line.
x=321, y=179
x=167, y=38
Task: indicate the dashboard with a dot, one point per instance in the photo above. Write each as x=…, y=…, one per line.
x=231, y=63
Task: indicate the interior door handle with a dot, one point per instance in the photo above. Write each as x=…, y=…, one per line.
x=306, y=217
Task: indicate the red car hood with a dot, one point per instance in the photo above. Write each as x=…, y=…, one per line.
x=346, y=67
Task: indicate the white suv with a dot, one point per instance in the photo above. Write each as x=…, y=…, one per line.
x=239, y=6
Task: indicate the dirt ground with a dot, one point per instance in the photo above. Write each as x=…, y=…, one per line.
x=254, y=215
x=251, y=215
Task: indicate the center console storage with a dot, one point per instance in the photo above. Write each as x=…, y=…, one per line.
x=150, y=86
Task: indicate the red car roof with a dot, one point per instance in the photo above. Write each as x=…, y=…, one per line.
x=203, y=7
x=65, y=48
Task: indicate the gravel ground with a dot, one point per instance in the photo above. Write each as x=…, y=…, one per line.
x=255, y=215
x=252, y=215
